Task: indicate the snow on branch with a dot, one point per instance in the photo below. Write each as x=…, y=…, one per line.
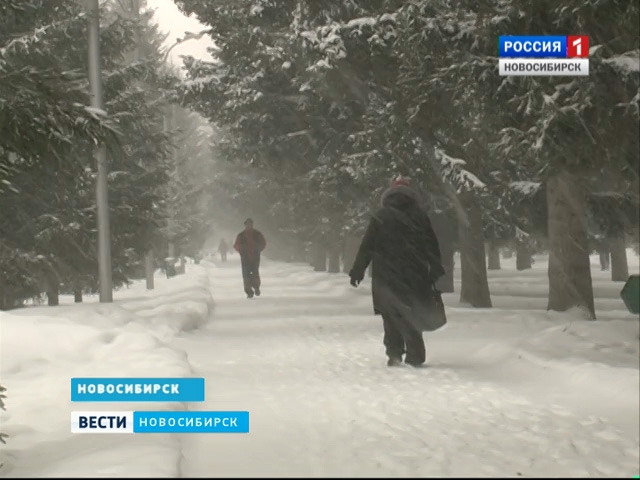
x=36, y=35
x=328, y=38
x=357, y=155
x=526, y=188
x=96, y=113
x=627, y=63
x=521, y=235
x=454, y=172
x=200, y=83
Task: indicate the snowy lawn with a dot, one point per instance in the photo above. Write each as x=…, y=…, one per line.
x=509, y=391
x=43, y=347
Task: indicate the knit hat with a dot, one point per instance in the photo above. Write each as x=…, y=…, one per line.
x=400, y=186
x=400, y=182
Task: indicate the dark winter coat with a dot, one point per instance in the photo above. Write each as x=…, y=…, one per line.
x=249, y=244
x=404, y=252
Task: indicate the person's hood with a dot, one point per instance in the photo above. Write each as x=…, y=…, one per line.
x=400, y=197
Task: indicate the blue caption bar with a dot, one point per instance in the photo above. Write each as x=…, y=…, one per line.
x=190, y=422
x=137, y=389
x=532, y=46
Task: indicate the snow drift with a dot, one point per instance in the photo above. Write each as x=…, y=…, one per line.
x=43, y=347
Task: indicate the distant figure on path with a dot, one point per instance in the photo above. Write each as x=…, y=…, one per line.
x=405, y=255
x=223, y=248
x=249, y=244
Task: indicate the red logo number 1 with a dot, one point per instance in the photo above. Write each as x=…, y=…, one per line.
x=577, y=46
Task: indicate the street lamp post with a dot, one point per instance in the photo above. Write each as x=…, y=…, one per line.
x=102, y=197
x=169, y=119
x=187, y=36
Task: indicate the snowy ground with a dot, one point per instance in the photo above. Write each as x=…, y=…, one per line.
x=510, y=391
x=42, y=348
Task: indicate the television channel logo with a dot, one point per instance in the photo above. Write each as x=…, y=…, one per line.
x=543, y=55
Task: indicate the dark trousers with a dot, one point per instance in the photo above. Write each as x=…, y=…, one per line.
x=250, y=274
x=401, y=337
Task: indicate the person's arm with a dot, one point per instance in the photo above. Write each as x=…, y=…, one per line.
x=236, y=245
x=436, y=270
x=263, y=242
x=365, y=252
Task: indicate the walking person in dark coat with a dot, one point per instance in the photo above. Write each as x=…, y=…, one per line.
x=405, y=255
x=249, y=244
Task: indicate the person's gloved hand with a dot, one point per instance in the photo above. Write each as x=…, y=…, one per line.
x=355, y=280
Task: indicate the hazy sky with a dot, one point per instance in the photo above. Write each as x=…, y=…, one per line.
x=173, y=22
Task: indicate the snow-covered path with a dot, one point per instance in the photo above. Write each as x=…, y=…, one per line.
x=306, y=361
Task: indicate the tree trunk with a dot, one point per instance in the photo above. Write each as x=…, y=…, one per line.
x=605, y=258
x=181, y=269
x=172, y=250
x=619, y=266
x=445, y=283
x=7, y=301
x=444, y=227
x=77, y=295
x=319, y=257
x=475, y=285
x=494, y=255
x=334, y=257
x=523, y=256
x=149, y=269
x=351, y=245
x=299, y=252
x=5, y=298
x=570, y=282
x=53, y=292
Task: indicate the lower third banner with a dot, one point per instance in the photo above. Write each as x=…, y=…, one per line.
x=160, y=422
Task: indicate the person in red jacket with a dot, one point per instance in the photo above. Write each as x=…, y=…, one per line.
x=249, y=244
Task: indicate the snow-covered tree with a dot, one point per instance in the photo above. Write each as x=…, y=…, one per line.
x=47, y=237
x=343, y=96
x=260, y=99
x=578, y=131
x=2, y=407
x=187, y=201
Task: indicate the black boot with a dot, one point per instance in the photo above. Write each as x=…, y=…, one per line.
x=416, y=361
x=414, y=364
x=394, y=362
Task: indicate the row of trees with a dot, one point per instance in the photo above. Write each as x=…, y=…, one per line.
x=318, y=104
x=2, y=407
x=47, y=136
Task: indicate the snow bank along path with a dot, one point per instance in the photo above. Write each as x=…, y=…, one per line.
x=511, y=391
x=42, y=348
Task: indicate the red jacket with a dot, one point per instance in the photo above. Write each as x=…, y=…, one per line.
x=250, y=244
